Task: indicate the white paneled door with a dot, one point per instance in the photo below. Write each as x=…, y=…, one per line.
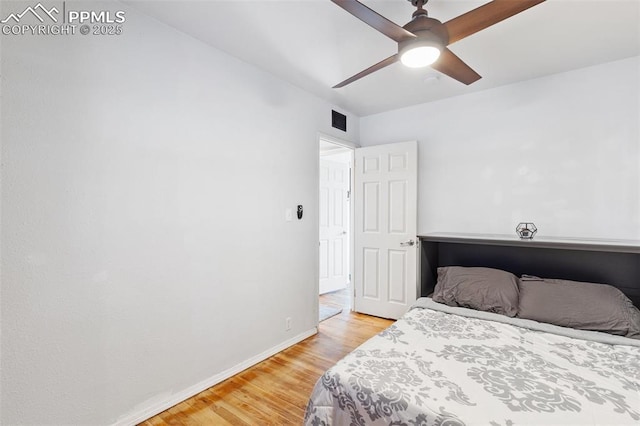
x=385, y=277
x=334, y=225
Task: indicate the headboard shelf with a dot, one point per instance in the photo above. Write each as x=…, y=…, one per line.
x=593, y=244
x=614, y=262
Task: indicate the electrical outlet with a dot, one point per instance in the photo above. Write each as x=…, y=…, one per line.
x=287, y=323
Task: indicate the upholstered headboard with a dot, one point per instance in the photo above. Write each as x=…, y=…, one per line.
x=607, y=262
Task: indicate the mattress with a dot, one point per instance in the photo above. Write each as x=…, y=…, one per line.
x=439, y=365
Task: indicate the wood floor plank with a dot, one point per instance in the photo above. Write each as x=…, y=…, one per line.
x=276, y=390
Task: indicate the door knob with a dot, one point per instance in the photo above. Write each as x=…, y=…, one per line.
x=407, y=243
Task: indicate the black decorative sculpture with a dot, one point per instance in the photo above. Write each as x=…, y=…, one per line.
x=526, y=230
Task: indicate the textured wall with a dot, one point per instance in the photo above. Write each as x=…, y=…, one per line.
x=562, y=151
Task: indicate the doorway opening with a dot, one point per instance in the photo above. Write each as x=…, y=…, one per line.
x=335, y=222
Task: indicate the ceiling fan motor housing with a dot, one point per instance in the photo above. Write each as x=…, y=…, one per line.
x=428, y=32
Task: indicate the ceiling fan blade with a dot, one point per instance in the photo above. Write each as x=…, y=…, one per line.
x=485, y=16
x=377, y=21
x=385, y=62
x=448, y=63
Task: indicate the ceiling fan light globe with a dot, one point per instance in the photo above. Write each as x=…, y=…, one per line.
x=420, y=56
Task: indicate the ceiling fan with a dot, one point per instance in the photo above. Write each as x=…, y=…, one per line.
x=424, y=40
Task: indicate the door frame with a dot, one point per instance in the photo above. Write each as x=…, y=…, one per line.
x=352, y=242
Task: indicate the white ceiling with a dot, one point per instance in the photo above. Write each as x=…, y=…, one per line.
x=314, y=44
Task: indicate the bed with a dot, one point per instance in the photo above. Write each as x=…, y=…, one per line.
x=475, y=359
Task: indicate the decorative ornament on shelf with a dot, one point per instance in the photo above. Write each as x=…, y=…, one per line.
x=526, y=230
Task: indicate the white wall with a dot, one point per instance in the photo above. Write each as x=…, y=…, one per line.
x=562, y=151
x=144, y=248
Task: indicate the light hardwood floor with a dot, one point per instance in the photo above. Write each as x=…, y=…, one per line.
x=275, y=391
x=337, y=299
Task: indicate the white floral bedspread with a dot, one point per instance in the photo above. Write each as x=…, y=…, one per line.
x=443, y=369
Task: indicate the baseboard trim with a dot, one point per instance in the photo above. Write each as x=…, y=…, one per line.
x=144, y=413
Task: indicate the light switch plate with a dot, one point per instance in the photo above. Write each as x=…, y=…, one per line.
x=288, y=215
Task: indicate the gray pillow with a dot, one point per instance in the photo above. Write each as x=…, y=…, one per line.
x=483, y=289
x=583, y=306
